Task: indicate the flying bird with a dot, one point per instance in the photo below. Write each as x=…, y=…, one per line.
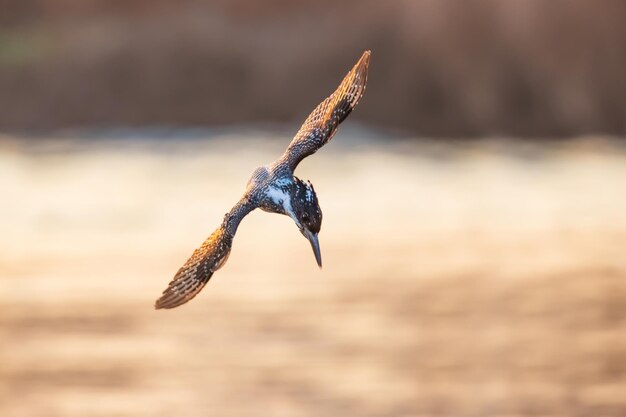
x=274, y=188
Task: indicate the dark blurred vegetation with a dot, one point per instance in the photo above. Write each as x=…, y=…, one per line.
x=523, y=67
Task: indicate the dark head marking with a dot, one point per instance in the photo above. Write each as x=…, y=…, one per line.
x=307, y=213
x=306, y=207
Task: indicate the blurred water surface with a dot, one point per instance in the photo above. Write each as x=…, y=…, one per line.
x=459, y=280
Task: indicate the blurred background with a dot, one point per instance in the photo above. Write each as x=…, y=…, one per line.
x=474, y=225
x=444, y=69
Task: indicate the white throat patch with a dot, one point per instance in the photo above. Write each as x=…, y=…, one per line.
x=280, y=198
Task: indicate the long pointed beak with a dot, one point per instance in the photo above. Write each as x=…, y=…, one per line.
x=315, y=244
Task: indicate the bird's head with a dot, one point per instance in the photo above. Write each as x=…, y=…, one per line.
x=307, y=215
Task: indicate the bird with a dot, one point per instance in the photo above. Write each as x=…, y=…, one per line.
x=275, y=189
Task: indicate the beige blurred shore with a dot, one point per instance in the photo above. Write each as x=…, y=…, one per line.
x=475, y=279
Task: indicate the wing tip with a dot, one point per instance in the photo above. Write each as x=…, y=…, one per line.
x=357, y=78
x=180, y=291
x=160, y=304
x=364, y=61
x=166, y=301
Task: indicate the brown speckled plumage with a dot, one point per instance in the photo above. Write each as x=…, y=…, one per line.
x=274, y=188
x=322, y=123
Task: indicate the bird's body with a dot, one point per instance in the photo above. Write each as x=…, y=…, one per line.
x=274, y=188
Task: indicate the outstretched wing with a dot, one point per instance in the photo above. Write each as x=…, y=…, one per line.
x=197, y=271
x=322, y=123
x=204, y=261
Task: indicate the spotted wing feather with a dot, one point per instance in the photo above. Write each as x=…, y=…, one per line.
x=319, y=128
x=197, y=271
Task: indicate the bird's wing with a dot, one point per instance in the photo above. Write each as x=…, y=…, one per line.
x=204, y=261
x=197, y=271
x=322, y=123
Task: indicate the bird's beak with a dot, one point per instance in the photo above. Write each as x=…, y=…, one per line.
x=315, y=244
